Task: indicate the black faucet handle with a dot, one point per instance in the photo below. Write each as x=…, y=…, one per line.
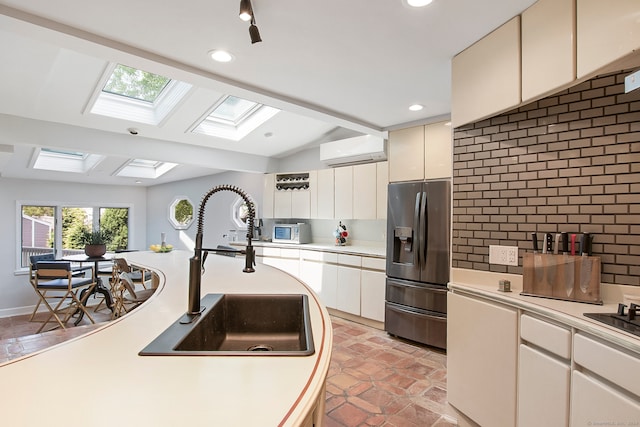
x=204, y=258
x=621, y=308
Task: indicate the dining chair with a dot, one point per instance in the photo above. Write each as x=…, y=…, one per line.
x=136, y=274
x=59, y=290
x=125, y=295
x=77, y=271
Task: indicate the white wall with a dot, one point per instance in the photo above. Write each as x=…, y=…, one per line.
x=16, y=294
x=217, y=217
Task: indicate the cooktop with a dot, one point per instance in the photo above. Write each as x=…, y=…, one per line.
x=629, y=322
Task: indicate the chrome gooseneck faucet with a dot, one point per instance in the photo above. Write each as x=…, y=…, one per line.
x=196, y=263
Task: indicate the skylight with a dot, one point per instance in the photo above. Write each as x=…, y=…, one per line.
x=136, y=84
x=137, y=95
x=142, y=168
x=64, y=160
x=234, y=118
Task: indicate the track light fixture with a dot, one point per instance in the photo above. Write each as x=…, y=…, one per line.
x=246, y=11
x=246, y=14
x=253, y=32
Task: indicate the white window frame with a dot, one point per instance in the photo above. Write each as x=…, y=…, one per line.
x=96, y=206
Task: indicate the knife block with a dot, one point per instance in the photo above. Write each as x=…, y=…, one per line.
x=564, y=277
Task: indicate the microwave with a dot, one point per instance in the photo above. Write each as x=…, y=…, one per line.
x=291, y=233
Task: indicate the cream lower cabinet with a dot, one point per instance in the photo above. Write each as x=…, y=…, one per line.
x=285, y=259
x=348, y=294
x=544, y=371
x=482, y=344
x=319, y=270
x=372, y=288
x=605, y=387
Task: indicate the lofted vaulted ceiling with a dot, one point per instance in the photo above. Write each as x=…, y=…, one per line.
x=334, y=68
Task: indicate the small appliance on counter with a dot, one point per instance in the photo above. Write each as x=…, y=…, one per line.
x=291, y=233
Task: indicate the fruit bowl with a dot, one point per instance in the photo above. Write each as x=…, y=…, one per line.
x=160, y=248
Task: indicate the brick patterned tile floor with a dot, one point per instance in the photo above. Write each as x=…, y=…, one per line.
x=378, y=380
x=374, y=379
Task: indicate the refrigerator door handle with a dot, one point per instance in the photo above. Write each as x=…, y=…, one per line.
x=423, y=230
x=424, y=234
x=416, y=231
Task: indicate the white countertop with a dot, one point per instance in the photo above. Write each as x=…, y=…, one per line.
x=565, y=312
x=377, y=250
x=98, y=379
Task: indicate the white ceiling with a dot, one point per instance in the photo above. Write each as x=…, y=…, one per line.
x=336, y=68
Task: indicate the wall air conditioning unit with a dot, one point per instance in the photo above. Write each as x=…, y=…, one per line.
x=359, y=149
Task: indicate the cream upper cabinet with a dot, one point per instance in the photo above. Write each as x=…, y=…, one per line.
x=438, y=143
x=421, y=152
x=282, y=204
x=269, y=189
x=548, y=47
x=382, y=181
x=301, y=204
x=406, y=154
x=606, y=31
x=486, y=75
x=325, y=197
x=343, y=192
x=364, y=191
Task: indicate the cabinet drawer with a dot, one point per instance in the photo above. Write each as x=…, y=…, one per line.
x=550, y=337
x=374, y=263
x=319, y=256
x=608, y=362
x=268, y=251
x=290, y=253
x=352, y=260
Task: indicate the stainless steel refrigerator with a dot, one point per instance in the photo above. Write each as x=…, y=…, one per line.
x=418, y=253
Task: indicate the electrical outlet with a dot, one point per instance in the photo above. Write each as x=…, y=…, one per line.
x=503, y=255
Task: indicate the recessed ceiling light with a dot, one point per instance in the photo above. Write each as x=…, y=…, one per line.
x=221, y=56
x=418, y=3
x=416, y=107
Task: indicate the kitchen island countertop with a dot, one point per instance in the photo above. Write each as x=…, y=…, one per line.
x=99, y=378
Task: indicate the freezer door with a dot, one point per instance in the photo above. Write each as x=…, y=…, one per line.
x=403, y=230
x=437, y=217
x=416, y=325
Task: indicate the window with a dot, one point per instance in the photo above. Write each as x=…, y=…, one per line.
x=234, y=118
x=136, y=84
x=64, y=161
x=57, y=229
x=141, y=168
x=137, y=95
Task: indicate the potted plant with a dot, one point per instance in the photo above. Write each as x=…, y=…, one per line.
x=95, y=242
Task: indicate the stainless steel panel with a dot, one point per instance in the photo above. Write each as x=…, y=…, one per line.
x=418, y=223
x=437, y=217
x=416, y=294
x=402, y=233
x=422, y=327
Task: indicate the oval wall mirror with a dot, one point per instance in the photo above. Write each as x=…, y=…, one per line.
x=181, y=213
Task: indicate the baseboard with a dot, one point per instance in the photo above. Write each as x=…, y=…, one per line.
x=17, y=311
x=356, y=319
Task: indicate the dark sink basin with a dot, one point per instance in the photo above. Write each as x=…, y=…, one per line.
x=240, y=325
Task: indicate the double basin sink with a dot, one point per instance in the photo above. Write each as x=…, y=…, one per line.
x=240, y=325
